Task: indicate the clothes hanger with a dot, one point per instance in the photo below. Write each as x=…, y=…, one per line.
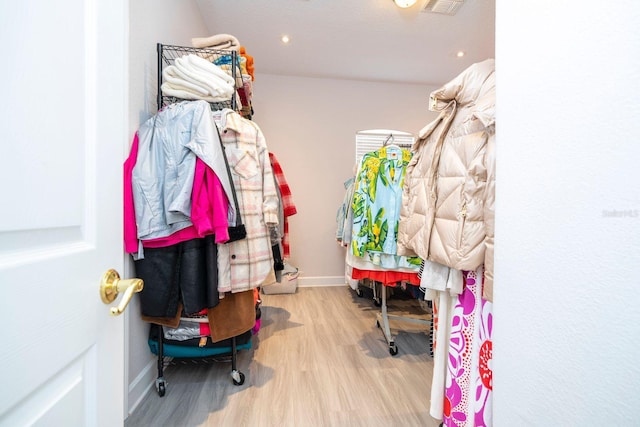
x=389, y=142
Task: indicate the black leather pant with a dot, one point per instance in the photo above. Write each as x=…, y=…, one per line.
x=186, y=272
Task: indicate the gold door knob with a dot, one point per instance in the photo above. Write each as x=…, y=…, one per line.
x=111, y=285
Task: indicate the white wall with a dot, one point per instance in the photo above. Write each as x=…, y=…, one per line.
x=310, y=125
x=567, y=317
x=151, y=22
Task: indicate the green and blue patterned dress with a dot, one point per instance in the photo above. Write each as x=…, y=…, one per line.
x=376, y=208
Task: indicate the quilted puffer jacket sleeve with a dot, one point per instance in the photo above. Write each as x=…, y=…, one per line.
x=489, y=219
x=485, y=112
x=415, y=213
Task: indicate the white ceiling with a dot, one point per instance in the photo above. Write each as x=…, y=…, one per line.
x=356, y=39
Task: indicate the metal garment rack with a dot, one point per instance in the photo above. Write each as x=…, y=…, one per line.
x=382, y=322
x=369, y=284
x=167, y=55
x=367, y=141
x=236, y=375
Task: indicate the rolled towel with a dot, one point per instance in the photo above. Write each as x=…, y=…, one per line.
x=218, y=41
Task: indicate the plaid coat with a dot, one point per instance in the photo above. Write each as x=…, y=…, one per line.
x=246, y=263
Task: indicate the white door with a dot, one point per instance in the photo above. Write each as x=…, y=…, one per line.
x=63, y=131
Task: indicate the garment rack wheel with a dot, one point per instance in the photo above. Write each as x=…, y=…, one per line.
x=161, y=386
x=237, y=376
x=393, y=348
x=377, y=288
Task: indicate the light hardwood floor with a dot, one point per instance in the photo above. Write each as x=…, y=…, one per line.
x=318, y=360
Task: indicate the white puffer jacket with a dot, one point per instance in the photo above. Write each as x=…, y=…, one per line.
x=448, y=196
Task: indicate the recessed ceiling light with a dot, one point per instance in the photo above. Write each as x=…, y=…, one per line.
x=460, y=54
x=285, y=39
x=404, y=3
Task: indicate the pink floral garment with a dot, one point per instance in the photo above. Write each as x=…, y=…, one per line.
x=468, y=395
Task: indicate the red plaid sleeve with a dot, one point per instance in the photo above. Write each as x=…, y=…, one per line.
x=288, y=206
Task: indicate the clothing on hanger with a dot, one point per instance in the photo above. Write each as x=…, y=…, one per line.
x=246, y=263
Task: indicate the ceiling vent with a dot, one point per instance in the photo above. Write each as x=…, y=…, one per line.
x=444, y=7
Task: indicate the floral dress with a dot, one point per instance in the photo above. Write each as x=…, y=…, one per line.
x=377, y=200
x=468, y=394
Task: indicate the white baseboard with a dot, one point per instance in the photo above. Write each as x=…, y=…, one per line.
x=317, y=281
x=142, y=385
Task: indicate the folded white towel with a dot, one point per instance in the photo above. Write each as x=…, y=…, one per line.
x=191, y=77
x=201, y=67
x=209, y=67
x=170, y=90
x=178, y=87
x=210, y=79
x=170, y=75
x=225, y=68
x=218, y=41
x=181, y=92
x=194, y=80
x=185, y=72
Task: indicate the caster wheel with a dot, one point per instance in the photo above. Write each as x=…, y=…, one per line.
x=377, y=302
x=359, y=292
x=240, y=381
x=393, y=349
x=161, y=387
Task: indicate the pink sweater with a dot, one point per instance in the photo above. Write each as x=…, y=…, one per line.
x=209, y=208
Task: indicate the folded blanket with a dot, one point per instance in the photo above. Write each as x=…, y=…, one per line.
x=170, y=75
x=213, y=82
x=218, y=41
x=192, y=77
x=180, y=92
x=195, y=80
x=209, y=67
x=223, y=71
x=223, y=63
